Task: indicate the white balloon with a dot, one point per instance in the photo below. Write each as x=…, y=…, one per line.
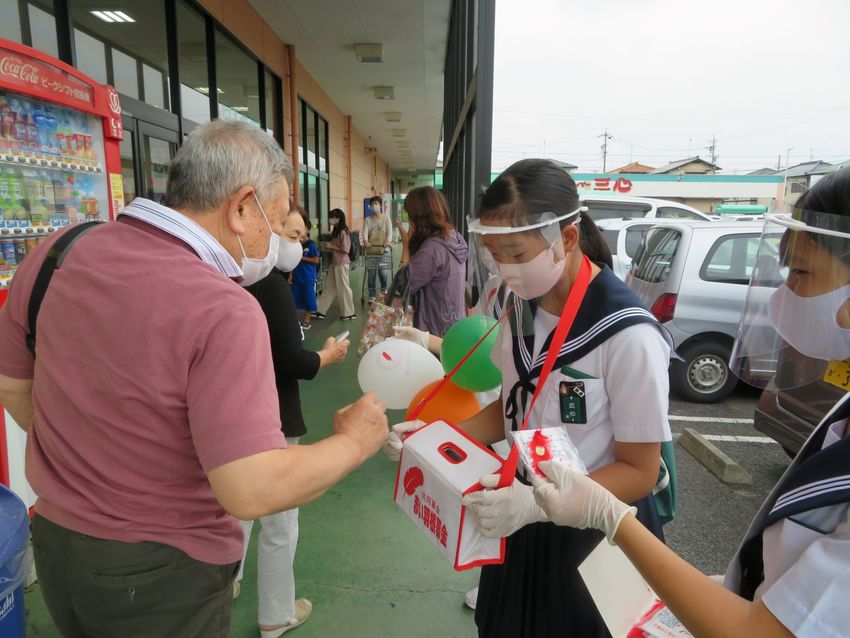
x=396, y=369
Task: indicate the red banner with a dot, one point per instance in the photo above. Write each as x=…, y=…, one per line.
x=17, y=70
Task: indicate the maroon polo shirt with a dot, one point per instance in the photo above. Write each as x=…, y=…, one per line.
x=153, y=369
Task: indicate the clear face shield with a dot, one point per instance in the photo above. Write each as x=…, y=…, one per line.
x=795, y=326
x=528, y=258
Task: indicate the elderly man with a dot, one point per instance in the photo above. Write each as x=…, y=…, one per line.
x=151, y=404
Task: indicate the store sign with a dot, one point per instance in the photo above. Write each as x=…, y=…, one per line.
x=20, y=71
x=113, y=125
x=606, y=185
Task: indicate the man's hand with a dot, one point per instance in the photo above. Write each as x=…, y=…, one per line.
x=333, y=351
x=365, y=422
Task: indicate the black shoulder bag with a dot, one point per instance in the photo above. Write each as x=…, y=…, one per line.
x=45, y=274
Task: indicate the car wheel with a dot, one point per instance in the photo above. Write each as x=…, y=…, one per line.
x=703, y=376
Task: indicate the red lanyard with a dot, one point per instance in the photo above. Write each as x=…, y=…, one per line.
x=568, y=315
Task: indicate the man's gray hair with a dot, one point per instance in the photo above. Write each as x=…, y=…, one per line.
x=220, y=157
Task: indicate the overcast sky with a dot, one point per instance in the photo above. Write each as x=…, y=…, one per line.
x=666, y=75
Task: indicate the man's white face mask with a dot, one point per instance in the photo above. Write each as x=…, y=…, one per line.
x=253, y=270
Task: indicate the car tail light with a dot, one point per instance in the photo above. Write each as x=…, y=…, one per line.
x=664, y=307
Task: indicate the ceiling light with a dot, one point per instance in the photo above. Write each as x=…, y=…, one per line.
x=206, y=90
x=251, y=91
x=240, y=109
x=112, y=16
x=399, y=132
x=393, y=116
x=384, y=92
x=369, y=52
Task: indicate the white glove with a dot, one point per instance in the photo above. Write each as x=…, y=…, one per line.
x=394, y=442
x=573, y=499
x=501, y=512
x=410, y=333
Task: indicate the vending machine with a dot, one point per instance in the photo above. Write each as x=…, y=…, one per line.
x=59, y=164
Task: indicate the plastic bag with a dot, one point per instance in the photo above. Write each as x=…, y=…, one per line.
x=14, y=533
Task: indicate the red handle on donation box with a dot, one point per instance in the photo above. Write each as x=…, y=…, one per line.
x=568, y=315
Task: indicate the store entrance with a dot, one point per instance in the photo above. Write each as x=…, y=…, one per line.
x=150, y=143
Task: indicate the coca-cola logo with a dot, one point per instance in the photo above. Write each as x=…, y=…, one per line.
x=17, y=68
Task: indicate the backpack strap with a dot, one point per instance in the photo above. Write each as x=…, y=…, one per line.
x=45, y=274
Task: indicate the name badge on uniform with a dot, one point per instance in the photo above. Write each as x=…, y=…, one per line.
x=573, y=402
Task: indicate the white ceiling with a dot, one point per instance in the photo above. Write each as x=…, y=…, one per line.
x=414, y=34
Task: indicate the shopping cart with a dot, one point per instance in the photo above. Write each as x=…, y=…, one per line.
x=384, y=261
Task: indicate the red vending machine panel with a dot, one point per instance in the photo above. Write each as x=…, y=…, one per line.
x=59, y=164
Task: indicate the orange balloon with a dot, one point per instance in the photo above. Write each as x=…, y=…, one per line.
x=451, y=404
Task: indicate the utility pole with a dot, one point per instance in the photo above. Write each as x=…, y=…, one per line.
x=779, y=161
x=605, y=137
x=713, y=149
x=785, y=179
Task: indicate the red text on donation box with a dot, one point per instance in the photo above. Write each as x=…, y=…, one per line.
x=439, y=464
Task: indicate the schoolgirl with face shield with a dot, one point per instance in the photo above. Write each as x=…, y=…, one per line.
x=791, y=574
x=607, y=387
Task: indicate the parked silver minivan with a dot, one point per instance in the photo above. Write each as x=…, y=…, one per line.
x=693, y=276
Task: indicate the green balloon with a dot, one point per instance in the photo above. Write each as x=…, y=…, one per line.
x=478, y=374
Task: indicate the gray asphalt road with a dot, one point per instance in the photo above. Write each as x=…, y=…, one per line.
x=713, y=516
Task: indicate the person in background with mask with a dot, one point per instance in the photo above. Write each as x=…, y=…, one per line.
x=608, y=389
x=791, y=574
x=279, y=610
x=337, y=284
x=303, y=279
x=156, y=363
x=379, y=238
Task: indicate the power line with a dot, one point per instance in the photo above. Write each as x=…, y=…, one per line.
x=605, y=137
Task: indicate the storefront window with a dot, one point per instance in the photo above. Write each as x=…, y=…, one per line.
x=91, y=56
x=43, y=28
x=192, y=61
x=125, y=74
x=10, y=22
x=237, y=82
x=313, y=131
x=137, y=46
x=310, y=139
x=272, y=98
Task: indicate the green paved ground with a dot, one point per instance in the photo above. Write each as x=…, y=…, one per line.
x=366, y=568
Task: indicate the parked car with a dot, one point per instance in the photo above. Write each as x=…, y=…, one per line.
x=789, y=416
x=601, y=207
x=693, y=276
x=624, y=237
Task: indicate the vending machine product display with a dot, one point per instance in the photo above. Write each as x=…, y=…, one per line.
x=59, y=164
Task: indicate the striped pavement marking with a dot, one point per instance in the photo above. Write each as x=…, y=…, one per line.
x=707, y=419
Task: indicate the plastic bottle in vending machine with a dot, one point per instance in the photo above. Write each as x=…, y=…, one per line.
x=7, y=246
x=34, y=189
x=8, y=219
x=32, y=130
x=19, y=128
x=20, y=249
x=49, y=196
x=7, y=120
x=58, y=182
x=50, y=134
x=16, y=186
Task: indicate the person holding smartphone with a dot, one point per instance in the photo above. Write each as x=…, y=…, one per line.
x=279, y=610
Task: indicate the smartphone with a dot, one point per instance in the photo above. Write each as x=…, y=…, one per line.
x=342, y=335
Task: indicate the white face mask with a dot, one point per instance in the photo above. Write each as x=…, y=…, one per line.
x=376, y=208
x=289, y=255
x=810, y=324
x=255, y=269
x=535, y=278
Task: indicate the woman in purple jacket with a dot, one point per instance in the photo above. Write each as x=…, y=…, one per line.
x=435, y=254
